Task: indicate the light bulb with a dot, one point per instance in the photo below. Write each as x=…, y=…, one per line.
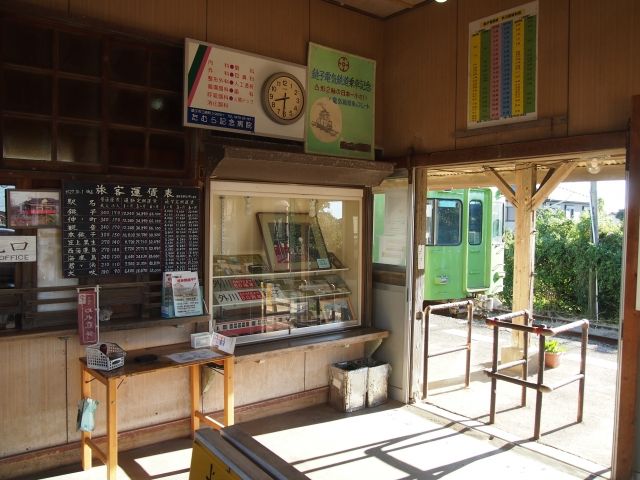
x=593, y=166
x=440, y=1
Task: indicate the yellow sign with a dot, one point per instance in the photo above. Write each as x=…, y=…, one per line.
x=206, y=466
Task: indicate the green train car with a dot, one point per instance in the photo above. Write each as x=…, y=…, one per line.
x=464, y=255
x=465, y=250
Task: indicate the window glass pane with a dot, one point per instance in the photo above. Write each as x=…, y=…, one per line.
x=80, y=54
x=475, y=222
x=166, y=68
x=26, y=139
x=282, y=264
x=3, y=210
x=128, y=63
x=78, y=144
x=430, y=223
x=165, y=111
x=79, y=99
x=448, y=222
x=166, y=152
x=26, y=92
x=126, y=149
x=26, y=44
x=128, y=107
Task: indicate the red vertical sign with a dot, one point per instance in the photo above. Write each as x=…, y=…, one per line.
x=88, y=316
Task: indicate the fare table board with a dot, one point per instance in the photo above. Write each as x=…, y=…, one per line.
x=118, y=229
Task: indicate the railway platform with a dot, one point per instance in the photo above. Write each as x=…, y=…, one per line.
x=588, y=443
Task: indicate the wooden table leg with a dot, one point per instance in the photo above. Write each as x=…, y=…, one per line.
x=85, y=389
x=112, y=429
x=228, y=391
x=194, y=386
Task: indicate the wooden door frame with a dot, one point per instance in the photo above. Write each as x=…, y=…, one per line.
x=625, y=441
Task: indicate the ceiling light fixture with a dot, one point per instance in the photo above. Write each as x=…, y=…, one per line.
x=593, y=166
x=441, y=1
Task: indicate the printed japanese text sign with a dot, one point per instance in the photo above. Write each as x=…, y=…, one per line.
x=503, y=67
x=341, y=104
x=223, y=90
x=88, y=316
x=18, y=249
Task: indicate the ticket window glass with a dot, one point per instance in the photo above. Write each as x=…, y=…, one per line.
x=284, y=260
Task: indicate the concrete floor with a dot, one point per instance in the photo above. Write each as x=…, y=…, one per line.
x=392, y=441
x=590, y=440
x=447, y=436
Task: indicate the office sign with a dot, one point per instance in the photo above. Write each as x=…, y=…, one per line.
x=18, y=249
x=224, y=90
x=341, y=104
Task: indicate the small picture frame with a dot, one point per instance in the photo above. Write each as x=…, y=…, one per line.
x=293, y=242
x=33, y=208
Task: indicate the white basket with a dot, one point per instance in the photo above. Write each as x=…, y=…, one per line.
x=99, y=361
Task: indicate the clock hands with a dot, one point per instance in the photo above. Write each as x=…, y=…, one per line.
x=284, y=99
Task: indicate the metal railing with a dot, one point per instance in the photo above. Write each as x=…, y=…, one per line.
x=542, y=331
x=467, y=346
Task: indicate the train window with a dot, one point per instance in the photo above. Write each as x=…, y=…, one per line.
x=443, y=222
x=475, y=222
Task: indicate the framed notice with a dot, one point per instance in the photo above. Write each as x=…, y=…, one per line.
x=293, y=242
x=503, y=67
x=33, y=208
x=120, y=229
x=341, y=104
x=223, y=90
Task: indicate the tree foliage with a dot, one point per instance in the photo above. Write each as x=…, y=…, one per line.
x=565, y=262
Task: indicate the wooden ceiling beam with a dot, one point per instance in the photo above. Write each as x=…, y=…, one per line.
x=554, y=177
x=503, y=186
x=575, y=145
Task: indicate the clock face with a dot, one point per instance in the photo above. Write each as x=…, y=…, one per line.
x=283, y=98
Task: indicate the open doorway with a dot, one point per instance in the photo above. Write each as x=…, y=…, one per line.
x=591, y=439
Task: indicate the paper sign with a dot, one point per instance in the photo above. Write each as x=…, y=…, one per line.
x=225, y=344
x=17, y=249
x=187, y=300
x=223, y=91
x=341, y=104
x=88, y=316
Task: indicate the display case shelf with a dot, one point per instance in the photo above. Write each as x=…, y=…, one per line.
x=281, y=274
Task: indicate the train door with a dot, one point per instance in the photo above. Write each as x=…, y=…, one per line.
x=476, y=240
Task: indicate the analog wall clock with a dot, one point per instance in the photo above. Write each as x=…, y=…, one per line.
x=283, y=98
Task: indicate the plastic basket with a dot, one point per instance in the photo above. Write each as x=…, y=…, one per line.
x=99, y=361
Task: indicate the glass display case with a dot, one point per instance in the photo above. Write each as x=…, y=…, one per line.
x=283, y=259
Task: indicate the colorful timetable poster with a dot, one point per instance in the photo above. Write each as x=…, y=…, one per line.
x=503, y=67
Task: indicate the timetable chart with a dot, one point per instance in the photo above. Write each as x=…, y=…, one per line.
x=114, y=229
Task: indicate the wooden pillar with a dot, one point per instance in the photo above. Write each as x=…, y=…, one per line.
x=625, y=444
x=419, y=252
x=524, y=254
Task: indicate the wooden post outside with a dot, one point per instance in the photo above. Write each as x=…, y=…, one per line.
x=523, y=260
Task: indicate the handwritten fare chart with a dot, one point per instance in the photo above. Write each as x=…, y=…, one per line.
x=119, y=229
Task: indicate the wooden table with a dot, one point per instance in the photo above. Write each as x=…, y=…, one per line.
x=111, y=380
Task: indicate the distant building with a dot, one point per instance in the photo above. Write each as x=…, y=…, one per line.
x=571, y=208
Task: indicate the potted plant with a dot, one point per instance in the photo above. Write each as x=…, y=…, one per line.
x=552, y=352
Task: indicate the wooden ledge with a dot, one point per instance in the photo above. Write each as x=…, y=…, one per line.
x=110, y=326
x=259, y=351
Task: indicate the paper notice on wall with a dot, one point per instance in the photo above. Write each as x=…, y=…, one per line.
x=395, y=213
x=88, y=316
x=392, y=249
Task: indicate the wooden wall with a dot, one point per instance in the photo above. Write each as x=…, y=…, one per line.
x=588, y=69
